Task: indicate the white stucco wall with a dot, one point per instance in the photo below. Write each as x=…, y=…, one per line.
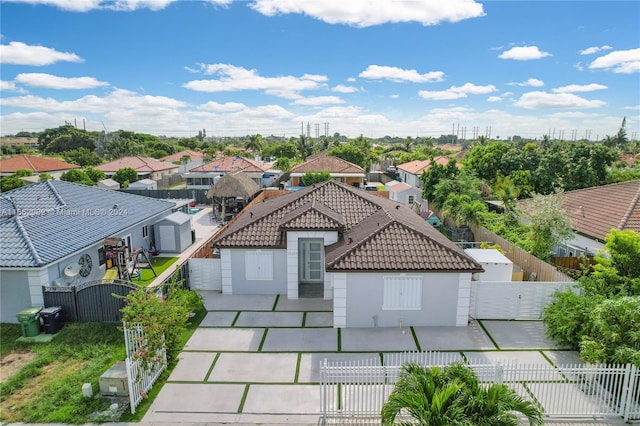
x=14, y=294
x=439, y=304
x=276, y=285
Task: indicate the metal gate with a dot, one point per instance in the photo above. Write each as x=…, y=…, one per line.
x=205, y=274
x=524, y=300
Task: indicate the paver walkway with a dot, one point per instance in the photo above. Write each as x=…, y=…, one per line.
x=256, y=359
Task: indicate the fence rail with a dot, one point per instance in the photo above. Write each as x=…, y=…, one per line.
x=140, y=377
x=359, y=389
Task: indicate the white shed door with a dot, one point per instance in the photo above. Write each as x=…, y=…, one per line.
x=205, y=274
x=167, y=238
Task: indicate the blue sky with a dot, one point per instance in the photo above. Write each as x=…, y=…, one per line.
x=371, y=67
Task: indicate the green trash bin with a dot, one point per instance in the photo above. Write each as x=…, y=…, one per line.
x=29, y=319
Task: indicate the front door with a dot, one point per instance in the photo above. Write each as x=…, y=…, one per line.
x=311, y=261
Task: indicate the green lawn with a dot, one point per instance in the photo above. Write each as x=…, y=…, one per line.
x=160, y=264
x=47, y=388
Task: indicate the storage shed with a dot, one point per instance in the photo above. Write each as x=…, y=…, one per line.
x=497, y=267
x=173, y=233
x=108, y=184
x=144, y=184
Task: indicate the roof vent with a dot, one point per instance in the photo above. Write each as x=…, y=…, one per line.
x=350, y=240
x=398, y=207
x=251, y=214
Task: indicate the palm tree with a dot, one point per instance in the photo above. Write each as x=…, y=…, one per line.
x=427, y=396
x=453, y=396
x=255, y=144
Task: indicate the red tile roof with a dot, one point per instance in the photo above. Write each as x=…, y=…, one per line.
x=417, y=166
x=327, y=164
x=195, y=155
x=139, y=164
x=230, y=164
x=593, y=212
x=375, y=233
x=35, y=163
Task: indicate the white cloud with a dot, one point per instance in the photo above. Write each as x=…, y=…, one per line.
x=318, y=100
x=524, y=53
x=394, y=96
x=620, y=61
x=117, y=5
x=365, y=13
x=499, y=98
x=118, y=99
x=10, y=86
x=226, y=107
x=455, y=92
x=540, y=100
x=49, y=81
x=381, y=72
x=633, y=107
x=232, y=78
x=351, y=80
x=341, y=88
x=572, y=88
x=18, y=53
x=532, y=82
x=595, y=49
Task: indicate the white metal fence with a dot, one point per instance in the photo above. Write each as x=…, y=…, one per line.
x=140, y=378
x=359, y=389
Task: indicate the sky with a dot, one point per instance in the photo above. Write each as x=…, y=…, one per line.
x=569, y=69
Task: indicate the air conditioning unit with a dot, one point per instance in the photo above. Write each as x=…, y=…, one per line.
x=114, y=380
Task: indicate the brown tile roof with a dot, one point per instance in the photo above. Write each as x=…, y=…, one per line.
x=35, y=163
x=231, y=164
x=416, y=167
x=139, y=164
x=595, y=211
x=327, y=164
x=375, y=233
x=195, y=155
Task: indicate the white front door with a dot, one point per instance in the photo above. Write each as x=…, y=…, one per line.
x=311, y=260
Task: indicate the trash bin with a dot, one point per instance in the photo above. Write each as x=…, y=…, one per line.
x=51, y=319
x=29, y=319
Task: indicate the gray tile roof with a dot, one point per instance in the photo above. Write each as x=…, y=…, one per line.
x=376, y=233
x=49, y=220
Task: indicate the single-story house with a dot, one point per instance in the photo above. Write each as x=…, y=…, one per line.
x=36, y=164
x=203, y=177
x=339, y=169
x=410, y=172
x=147, y=168
x=196, y=159
x=380, y=263
x=51, y=227
x=404, y=193
x=594, y=212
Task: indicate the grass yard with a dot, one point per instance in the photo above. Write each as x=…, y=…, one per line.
x=42, y=382
x=160, y=264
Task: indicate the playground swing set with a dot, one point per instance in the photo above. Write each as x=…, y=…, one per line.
x=121, y=256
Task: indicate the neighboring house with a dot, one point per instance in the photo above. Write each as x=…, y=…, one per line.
x=108, y=184
x=340, y=170
x=410, y=172
x=404, y=193
x=36, y=164
x=53, y=232
x=382, y=264
x=196, y=159
x=147, y=168
x=203, y=177
x=593, y=212
x=18, y=142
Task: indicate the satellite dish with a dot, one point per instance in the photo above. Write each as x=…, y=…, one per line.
x=72, y=270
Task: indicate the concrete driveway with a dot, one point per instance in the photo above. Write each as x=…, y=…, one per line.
x=256, y=359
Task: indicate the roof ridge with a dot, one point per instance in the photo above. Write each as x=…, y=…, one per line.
x=30, y=245
x=632, y=207
x=56, y=194
x=33, y=167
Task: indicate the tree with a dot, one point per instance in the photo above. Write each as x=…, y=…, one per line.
x=45, y=176
x=549, y=225
x=311, y=178
x=255, y=143
x=72, y=139
x=77, y=176
x=83, y=157
x=94, y=174
x=305, y=147
x=24, y=172
x=452, y=395
x=350, y=153
x=126, y=174
x=283, y=164
x=184, y=160
x=8, y=183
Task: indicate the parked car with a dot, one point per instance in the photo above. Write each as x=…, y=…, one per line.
x=392, y=169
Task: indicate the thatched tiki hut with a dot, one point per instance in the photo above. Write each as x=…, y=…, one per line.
x=234, y=186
